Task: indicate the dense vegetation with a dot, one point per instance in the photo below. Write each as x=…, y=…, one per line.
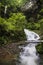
x=13, y=20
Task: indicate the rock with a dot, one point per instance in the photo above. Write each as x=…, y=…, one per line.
x=9, y=53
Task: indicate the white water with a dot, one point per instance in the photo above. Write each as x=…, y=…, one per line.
x=29, y=56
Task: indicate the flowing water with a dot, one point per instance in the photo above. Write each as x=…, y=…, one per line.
x=29, y=54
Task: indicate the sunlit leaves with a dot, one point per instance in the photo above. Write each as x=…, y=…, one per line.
x=8, y=27
x=18, y=20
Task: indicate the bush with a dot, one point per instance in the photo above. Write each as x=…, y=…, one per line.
x=18, y=20
x=40, y=48
x=33, y=26
x=12, y=28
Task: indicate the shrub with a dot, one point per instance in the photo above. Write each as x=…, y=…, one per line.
x=12, y=28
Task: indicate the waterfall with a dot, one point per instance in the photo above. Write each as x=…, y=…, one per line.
x=30, y=35
x=29, y=54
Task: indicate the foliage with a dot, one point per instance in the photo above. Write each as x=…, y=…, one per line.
x=18, y=20
x=14, y=20
x=12, y=6
x=40, y=48
x=33, y=26
x=9, y=27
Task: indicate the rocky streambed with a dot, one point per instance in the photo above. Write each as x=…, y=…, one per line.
x=9, y=53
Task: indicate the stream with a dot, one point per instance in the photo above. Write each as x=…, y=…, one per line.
x=29, y=55
x=26, y=53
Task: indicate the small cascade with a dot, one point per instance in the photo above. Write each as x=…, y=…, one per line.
x=30, y=35
x=29, y=54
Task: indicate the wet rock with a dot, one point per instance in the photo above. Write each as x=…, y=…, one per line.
x=9, y=53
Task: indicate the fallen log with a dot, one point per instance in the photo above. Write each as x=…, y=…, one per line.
x=34, y=41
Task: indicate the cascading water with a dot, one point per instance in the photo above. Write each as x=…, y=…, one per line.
x=28, y=56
